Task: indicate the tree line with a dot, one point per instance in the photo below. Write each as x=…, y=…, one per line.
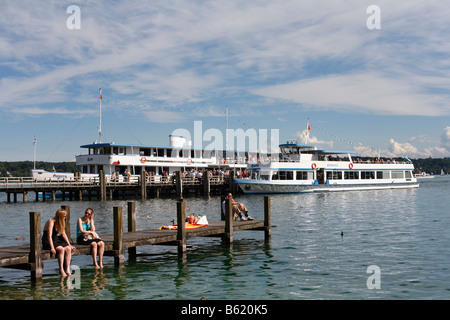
x=23, y=168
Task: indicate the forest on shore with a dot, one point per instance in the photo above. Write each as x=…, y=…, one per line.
x=23, y=168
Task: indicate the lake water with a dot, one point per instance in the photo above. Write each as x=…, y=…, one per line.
x=321, y=248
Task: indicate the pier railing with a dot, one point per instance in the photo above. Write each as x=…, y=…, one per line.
x=31, y=183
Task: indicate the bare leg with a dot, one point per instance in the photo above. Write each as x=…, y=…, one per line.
x=60, y=254
x=101, y=250
x=94, y=254
x=68, y=259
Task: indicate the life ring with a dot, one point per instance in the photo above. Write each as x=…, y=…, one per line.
x=313, y=166
x=224, y=161
x=143, y=160
x=189, y=161
x=350, y=165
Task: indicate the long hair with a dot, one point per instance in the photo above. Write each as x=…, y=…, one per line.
x=60, y=220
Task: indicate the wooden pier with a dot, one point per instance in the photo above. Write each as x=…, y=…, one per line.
x=104, y=188
x=31, y=256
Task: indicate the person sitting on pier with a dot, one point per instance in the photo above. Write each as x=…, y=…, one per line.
x=86, y=235
x=238, y=208
x=55, y=239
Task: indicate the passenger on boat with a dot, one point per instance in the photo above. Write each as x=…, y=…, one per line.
x=238, y=208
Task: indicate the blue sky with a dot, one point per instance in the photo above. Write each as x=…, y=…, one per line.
x=164, y=64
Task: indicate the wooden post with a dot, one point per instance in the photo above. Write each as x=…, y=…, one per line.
x=206, y=183
x=131, y=227
x=179, y=184
x=118, y=237
x=102, y=179
x=267, y=229
x=228, y=221
x=35, y=247
x=181, y=230
x=143, y=181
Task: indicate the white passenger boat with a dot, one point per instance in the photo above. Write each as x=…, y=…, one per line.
x=155, y=160
x=117, y=160
x=304, y=168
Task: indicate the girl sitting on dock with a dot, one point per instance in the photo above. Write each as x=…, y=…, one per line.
x=86, y=235
x=56, y=240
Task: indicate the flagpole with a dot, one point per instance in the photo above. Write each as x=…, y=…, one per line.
x=100, y=119
x=308, y=128
x=34, y=154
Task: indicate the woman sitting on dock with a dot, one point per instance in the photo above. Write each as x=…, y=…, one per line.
x=56, y=240
x=86, y=235
x=238, y=208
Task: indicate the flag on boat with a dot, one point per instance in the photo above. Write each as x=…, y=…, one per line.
x=309, y=127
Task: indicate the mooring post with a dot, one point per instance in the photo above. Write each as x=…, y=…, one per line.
x=118, y=237
x=131, y=227
x=179, y=183
x=181, y=229
x=267, y=230
x=228, y=221
x=35, y=247
x=206, y=182
x=143, y=181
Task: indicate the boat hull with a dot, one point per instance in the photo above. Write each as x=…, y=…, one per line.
x=251, y=187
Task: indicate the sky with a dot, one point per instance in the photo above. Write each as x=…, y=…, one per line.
x=371, y=81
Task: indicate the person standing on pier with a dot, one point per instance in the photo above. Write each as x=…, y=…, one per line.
x=86, y=235
x=56, y=240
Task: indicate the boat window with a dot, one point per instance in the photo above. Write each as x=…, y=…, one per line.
x=367, y=175
x=408, y=175
x=351, y=175
x=275, y=175
x=302, y=175
x=144, y=152
x=397, y=174
x=264, y=177
x=160, y=152
x=334, y=175
x=286, y=175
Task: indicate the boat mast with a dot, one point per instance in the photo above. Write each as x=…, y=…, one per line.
x=100, y=119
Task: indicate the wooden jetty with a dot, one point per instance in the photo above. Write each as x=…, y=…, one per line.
x=31, y=256
x=104, y=188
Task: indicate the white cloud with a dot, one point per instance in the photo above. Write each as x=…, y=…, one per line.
x=360, y=93
x=409, y=149
x=306, y=138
